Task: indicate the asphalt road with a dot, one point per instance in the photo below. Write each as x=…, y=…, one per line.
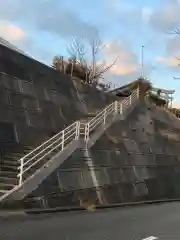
x=160, y=222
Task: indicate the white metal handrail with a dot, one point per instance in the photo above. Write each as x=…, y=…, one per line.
x=60, y=141
x=130, y=100
x=57, y=142
x=117, y=107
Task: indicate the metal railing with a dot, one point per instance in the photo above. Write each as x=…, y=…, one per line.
x=117, y=107
x=127, y=102
x=42, y=154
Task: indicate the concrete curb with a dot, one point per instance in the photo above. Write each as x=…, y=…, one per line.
x=118, y=205
x=27, y=213
x=4, y=215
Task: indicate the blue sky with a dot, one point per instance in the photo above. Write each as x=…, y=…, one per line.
x=44, y=28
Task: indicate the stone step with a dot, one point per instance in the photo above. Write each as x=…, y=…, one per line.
x=10, y=162
x=28, y=147
x=9, y=180
x=18, y=155
x=25, y=152
x=6, y=186
x=82, y=150
x=9, y=168
x=10, y=174
x=13, y=158
x=91, y=115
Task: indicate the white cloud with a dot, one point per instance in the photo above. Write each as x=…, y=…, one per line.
x=161, y=59
x=171, y=62
x=127, y=67
x=11, y=32
x=146, y=13
x=173, y=45
x=176, y=105
x=167, y=17
x=127, y=61
x=49, y=16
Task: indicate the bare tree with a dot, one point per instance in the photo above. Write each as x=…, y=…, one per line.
x=77, y=50
x=58, y=63
x=87, y=58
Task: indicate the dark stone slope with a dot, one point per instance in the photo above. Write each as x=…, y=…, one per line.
x=135, y=159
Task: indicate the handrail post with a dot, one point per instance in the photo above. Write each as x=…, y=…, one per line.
x=130, y=100
x=77, y=130
x=116, y=107
x=86, y=132
x=121, y=109
x=138, y=92
x=104, y=117
x=21, y=171
x=62, y=148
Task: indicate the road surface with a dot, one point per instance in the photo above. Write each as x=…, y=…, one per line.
x=161, y=222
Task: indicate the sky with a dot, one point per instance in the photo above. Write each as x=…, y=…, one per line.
x=45, y=28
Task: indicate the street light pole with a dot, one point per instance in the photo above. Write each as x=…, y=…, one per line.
x=142, y=61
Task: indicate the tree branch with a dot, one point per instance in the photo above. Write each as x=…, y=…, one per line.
x=83, y=63
x=176, y=31
x=77, y=50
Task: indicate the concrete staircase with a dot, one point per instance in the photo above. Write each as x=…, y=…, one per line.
x=20, y=175
x=9, y=169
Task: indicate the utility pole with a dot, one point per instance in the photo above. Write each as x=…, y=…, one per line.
x=142, y=61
